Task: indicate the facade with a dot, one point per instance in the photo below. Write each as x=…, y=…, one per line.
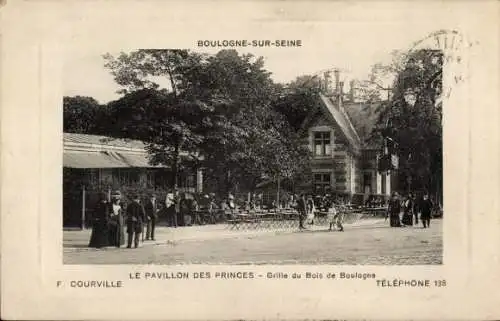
x=343, y=162
x=93, y=164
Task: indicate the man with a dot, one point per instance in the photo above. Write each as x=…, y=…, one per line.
x=302, y=209
x=151, y=209
x=416, y=209
x=426, y=210
x=135, y=218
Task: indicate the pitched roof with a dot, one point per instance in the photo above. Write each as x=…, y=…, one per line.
x=103, y=141
x=342, y=120
x=356, y=120
x=364, y=117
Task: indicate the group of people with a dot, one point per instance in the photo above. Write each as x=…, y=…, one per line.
x=306, y=208
x=111, y=221
x=411, y=208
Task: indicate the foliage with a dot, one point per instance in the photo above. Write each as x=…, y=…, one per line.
x=298, y=99
x=413, y=120
x=216, y=107
x=82, y=115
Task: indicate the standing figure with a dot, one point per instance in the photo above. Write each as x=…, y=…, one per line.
x=393, y=210
x=151, y=209
x=332, y=216
x=170, y=209
x=426, y=210
x=99, y=236
x=116, y=222
x=310, y=209
x=302, y=209
x=408, y=211
x=194, y=208
x=135, y=220
x=416, y=208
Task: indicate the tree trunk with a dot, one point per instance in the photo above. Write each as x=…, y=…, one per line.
x=172, y=81
x=278, y=194
x=175, y=168
x=228, y=181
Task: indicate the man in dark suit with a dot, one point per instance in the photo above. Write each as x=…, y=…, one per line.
x=151, y=209
x=302, y=209
x=135, y=218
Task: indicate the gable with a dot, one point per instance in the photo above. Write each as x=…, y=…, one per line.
x=320, y=120
x=341, y=121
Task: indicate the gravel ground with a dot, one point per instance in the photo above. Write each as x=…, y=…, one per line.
x=365, y=242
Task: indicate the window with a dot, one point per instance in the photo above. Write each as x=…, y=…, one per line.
x=322, y=145
x=126, y=176
x=322, y=183
x=383, y=183
x=367, y=183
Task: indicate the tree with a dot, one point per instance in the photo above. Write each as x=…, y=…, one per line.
x=167, y=119
x=248, y=130
x=298, y=98
x=81, y=115
x=413, y=120
x=218, y=107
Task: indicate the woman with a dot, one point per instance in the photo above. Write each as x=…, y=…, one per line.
x=393, y=210
x=310, y=210
x=407, y=211
x=99, y=236
x=116, y=223
x=426, y=210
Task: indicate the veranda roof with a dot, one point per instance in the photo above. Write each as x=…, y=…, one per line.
x=104, y=159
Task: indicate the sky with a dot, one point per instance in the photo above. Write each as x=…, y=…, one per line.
x=351, y=46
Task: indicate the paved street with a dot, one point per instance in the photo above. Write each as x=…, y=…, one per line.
x=363, y=242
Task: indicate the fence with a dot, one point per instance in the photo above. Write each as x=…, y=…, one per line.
x=289, y=218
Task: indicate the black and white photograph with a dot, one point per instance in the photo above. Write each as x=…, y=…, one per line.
x=228, y=153
x=249, y=160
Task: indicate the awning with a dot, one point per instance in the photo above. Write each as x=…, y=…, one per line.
x=133, y=160
x=91, y=160
x=104, y=160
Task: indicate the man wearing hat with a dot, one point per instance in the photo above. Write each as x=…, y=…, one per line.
x=151, y=209
x=135, y=218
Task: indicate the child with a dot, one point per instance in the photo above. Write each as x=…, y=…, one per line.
x=335, y=217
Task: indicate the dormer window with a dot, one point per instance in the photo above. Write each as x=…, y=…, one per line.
x=322, y=144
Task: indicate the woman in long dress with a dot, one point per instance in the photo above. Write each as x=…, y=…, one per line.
x=116, y=224
x=408, y=211
x=99, y=236
x=393, y=210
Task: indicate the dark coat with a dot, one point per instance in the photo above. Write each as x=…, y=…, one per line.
x=99, y=236
x=426, y=209
x=301, y=206
x=116, y=228
x=394, y=206
x=394, y=210
x=136, y=216
x=151, y=209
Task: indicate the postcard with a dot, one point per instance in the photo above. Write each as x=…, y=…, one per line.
x=250, y=160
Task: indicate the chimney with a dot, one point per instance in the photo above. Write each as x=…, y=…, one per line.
x=351, y=90
x=327, y=83
x=337, y=80
x=338, y=89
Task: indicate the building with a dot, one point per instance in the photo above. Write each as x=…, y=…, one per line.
x=343, y=161
x=93, y=164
